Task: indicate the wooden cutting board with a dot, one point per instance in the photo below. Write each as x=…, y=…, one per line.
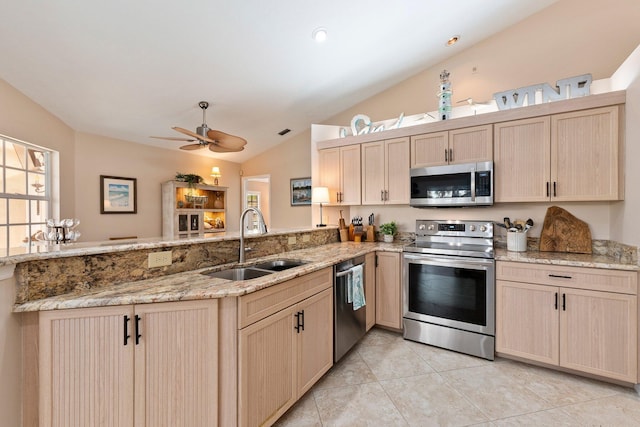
x=563, y=232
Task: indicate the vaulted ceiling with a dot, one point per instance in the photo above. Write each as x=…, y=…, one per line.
x=132, y=69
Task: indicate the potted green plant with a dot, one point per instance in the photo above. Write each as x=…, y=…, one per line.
x=388, y=230
x=190, y=178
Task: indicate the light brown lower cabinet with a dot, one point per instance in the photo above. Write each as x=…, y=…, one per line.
x=388, y=290
x=285, y=347
x=370, y=288
x=582, y=319
x=142, y=365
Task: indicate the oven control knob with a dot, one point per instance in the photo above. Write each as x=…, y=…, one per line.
x=431, y=227
x=421, y=227
x=472, y=228
x=483, y=228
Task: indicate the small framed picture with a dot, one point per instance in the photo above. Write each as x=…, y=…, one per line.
x=118, y=195
x=300, y=191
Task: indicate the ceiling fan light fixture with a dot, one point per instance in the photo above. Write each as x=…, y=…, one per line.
x=319, y=34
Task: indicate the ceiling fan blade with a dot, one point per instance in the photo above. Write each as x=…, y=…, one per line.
x=219, y=149
x=193, y=134
x=171, y=138
x=225, y=140
x=193, y=146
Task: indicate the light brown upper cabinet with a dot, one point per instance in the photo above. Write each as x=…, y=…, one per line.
x=385, y=172
x=340, y=172
x=466, y=145
x=564, y=157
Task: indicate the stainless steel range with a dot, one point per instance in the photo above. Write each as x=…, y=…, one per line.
x=449, y=286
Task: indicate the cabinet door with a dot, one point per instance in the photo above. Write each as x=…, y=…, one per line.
x=266, y=371
x=315, y=339
x=527, y=321
x=86, y=371
x=598, y=333
x=370, y=288
x=396, y=171
x=429, y=149
x=350, y=171
x=373, y=173
x=176, y=364
x=470, y=145
x=329, y=165
x=521, y=160
x=388, y=290
x=584, y=156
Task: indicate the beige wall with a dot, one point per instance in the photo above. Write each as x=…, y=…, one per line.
x=96, y=155
x=291, y=159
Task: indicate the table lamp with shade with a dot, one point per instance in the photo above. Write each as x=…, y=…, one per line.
x=320, y=195
x=215, y=173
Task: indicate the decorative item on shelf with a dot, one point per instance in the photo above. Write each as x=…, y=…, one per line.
x=388, y=230
x=320, y=195
x=218, y=202
x=444, y=106
x=343, y=229
x=61, y=231
x=190, y=178
x=197, y=201
x=215, y=173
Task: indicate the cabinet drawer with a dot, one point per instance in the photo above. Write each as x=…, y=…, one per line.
x=260, y=304
x=596, y=279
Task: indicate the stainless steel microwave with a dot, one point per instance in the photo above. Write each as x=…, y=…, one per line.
x=467, y=184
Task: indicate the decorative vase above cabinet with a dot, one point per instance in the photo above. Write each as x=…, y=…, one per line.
x=192, y=209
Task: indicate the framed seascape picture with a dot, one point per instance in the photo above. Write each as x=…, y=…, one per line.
x=300, y=191
x=117, y=195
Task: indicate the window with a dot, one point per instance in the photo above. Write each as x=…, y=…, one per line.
x=251, y=220
x=25, y=193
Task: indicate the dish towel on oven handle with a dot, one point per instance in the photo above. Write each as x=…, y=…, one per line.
x=357, y=287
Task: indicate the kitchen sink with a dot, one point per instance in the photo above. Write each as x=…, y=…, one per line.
x=238, y=273
x=280, y=264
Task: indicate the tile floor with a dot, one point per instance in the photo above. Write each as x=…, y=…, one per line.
x=387, y=381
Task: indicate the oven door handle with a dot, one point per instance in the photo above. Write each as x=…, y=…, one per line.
x=449, y=261
x=349, y=271
x=473, y=185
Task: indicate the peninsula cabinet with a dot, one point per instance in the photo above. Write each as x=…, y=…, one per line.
x=466, y=145
x=388, y=290
x=582, y=319
x=385, y=172
x=142, y=365
x=285, y=345
x=340, y=172
x=564, y=157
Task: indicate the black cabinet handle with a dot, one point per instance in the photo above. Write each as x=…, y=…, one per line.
x=138, y=334
x=556, y=303
x=382, y=195
x=302, y=316
x=451, y=154
x=547, y=188
x=564, y=302
x=297, y=327
x=446, y=155
x=555, y=193
x=559, y=276
x=126, y=329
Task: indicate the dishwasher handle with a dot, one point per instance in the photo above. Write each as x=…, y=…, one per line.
x=349, y=271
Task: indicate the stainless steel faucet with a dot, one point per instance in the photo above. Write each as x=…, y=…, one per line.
x=262, y=227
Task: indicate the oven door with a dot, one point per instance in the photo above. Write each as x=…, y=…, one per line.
x=457, y=292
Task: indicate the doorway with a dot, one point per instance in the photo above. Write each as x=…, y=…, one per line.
x=256, y=193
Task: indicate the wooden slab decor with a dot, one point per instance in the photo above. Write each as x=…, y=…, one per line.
x=563, y=232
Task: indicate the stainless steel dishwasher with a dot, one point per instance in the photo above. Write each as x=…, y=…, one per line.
x=349, y=325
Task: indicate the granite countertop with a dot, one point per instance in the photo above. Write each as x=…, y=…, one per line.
x=567, y=259
x=193, y=285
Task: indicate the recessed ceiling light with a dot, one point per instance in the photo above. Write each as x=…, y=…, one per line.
x=319, y=34
x=453, y=40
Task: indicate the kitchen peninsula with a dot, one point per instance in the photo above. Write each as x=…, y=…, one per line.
x=206, y=326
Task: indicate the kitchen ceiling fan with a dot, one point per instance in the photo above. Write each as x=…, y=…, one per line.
x=216, y=140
